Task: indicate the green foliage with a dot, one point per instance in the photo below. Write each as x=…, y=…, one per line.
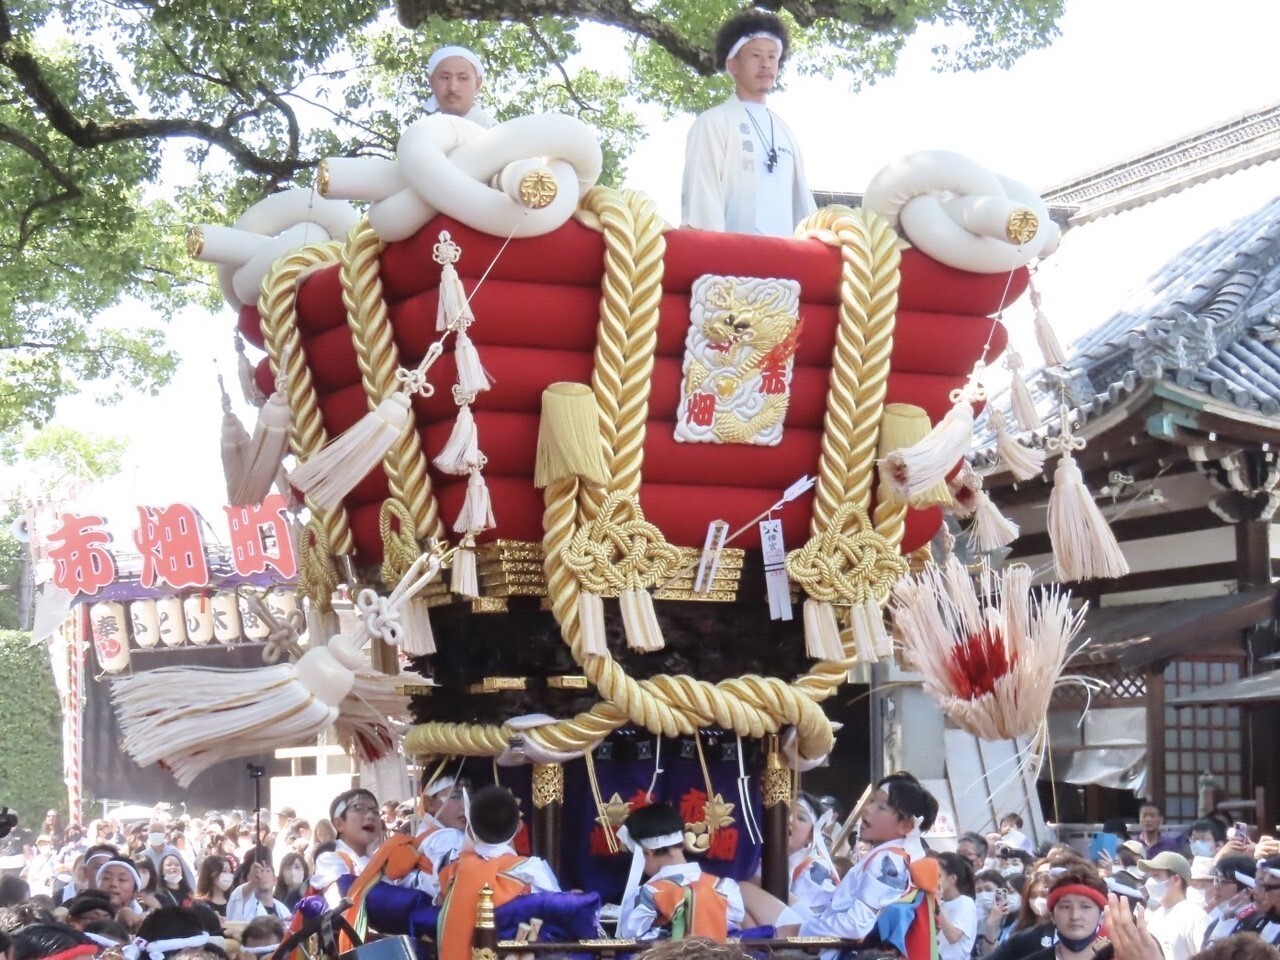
x=30, y=718
x=100, y=102
x=61, y=453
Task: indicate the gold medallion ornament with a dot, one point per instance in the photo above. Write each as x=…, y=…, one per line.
x=1021, y=226
x=538, y=188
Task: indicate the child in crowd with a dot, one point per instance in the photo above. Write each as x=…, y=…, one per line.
x=678, y=900
x=893, y=819
x=487, y=859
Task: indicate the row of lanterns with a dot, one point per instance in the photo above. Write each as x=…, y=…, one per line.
x=199, y=619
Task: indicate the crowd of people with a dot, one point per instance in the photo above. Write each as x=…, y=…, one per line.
x=228, y=883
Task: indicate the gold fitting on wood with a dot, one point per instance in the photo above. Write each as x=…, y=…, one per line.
x=484, y=909
x=322, y=178
x=548, y=784
x=415, y=690
x=195, y=242
x=498, y=684
x=572, y=681
x=489, y=605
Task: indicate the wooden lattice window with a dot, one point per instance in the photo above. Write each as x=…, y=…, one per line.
x=1122, y=685
x=1200, y=738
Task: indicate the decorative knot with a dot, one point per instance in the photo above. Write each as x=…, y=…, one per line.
x=379, y=617
x=973, y=391
x=446, y=249
x=847, y=562
x=1012, y=361
x=1066, y=442
x=619, y=550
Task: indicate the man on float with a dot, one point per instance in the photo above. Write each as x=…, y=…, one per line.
x=456, y=76
x=440, y=831
x=743, y=172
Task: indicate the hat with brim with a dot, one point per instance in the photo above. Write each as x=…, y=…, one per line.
x=1134, y=847
x=1170, y=861
x=1202, y=868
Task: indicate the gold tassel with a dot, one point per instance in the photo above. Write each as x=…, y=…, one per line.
x=472, y=378
x=904, y=425
x=821, y=632
x=1084, y=547
x=334, y=472
x=991, y=529
x=639, y=621
x=1050, y=345
x=462, y=575
x=591, y=621
x=417, y=637
x=569, y=436
x=235, y=445
x=461, y=453
x=477, y=512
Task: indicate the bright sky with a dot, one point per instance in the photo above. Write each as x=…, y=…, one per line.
x=1125, y=76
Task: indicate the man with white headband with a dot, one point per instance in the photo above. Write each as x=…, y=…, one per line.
x=439, y=833
x=456, y=76
x=1265, y=921
x=742, y=168
x=813, y=875
x=493, y=820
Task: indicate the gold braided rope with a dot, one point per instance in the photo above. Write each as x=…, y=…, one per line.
x=848, y=562
x=277, y=306
x=378, y=357
x=399, y=546
x=750, y=705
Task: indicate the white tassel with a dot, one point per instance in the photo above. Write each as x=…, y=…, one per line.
x=248, y=382
x=881, y=642
x=375, y=714
x=268, y=447
x=452, y=306
x=591, y=621
x=1050, y=345
x=964, y=488
x=1024, y=405
x=821, y=632
x=235, y=445
x=462, y=575
x=991, y=529
x=1083, y=545
x=333, y=472
x=640, y=621
x=863, y=626
x=472, y=378
x=417, y=639
x=461, y=453
x=911, y=474
x=1023, y=462
x=477, y=512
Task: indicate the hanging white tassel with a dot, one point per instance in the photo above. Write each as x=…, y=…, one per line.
x=1046, y=337
x=912, y=475
x=991, y=529
x=1024, y=405
x=964, y=487
x=417, y=639
x=452, y=308
x=461, y=453
x=235, y=445
x=863, y=626
x=591, y=622
x=1083, y=545
x=640, y=621
x=462, y=575
x=249, y=388
x=268, y=447
x=881, y=642
x=472, y=378
x=333, y=472
x=821, y=631
x=1023, y=462
x=477, y=512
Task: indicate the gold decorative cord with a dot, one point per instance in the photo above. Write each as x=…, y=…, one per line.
x=278, y=310
x=378, y=357
x=848, y=562
x=619, y=550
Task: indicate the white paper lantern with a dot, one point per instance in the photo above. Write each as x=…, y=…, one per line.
x=110, y=636
x=252, y=626
x=226, y=618
x=198, y=610
x=173, y=627
x=145, y=623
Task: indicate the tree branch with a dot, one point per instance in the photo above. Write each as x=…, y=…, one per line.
x=551, y=55
x=70, y=190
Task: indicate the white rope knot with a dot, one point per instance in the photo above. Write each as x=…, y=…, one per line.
x=1066, y=441
x=973, y=391
x=380, y=618
x=446, y=250
x=156, y=949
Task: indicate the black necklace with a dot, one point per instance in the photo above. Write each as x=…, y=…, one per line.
x=770, y=158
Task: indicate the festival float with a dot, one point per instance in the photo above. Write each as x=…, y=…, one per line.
x=631, y=500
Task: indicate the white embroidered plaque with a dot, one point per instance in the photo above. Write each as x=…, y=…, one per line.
x=738, y=357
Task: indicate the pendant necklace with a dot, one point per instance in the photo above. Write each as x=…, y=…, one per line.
x=771, y=158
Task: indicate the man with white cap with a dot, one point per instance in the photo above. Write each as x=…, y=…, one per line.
x=743, y=172
x=456, y=76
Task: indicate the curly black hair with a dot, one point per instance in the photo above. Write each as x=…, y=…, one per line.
x=746, y=23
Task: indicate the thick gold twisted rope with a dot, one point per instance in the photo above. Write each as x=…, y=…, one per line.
x=277, y=308
x=378, y=357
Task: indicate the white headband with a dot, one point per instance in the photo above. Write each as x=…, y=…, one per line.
x=156, y=949
x=637, y=848
x=438, y=786
x=265, y=950
x=125, y=865
x=758, y=35
x=444, y=53
x=1247, y=880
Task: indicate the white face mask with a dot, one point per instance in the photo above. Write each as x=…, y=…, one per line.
x=1202, y=848
x=1015, y=903
x=1040, y=906
x=155, y=839
x=225, y=880
x=1156, y=889
x=294, y=876
x=985, y=900
x=1196, y=895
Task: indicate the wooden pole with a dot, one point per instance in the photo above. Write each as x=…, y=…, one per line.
x=548, y=802
x=775, y=788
